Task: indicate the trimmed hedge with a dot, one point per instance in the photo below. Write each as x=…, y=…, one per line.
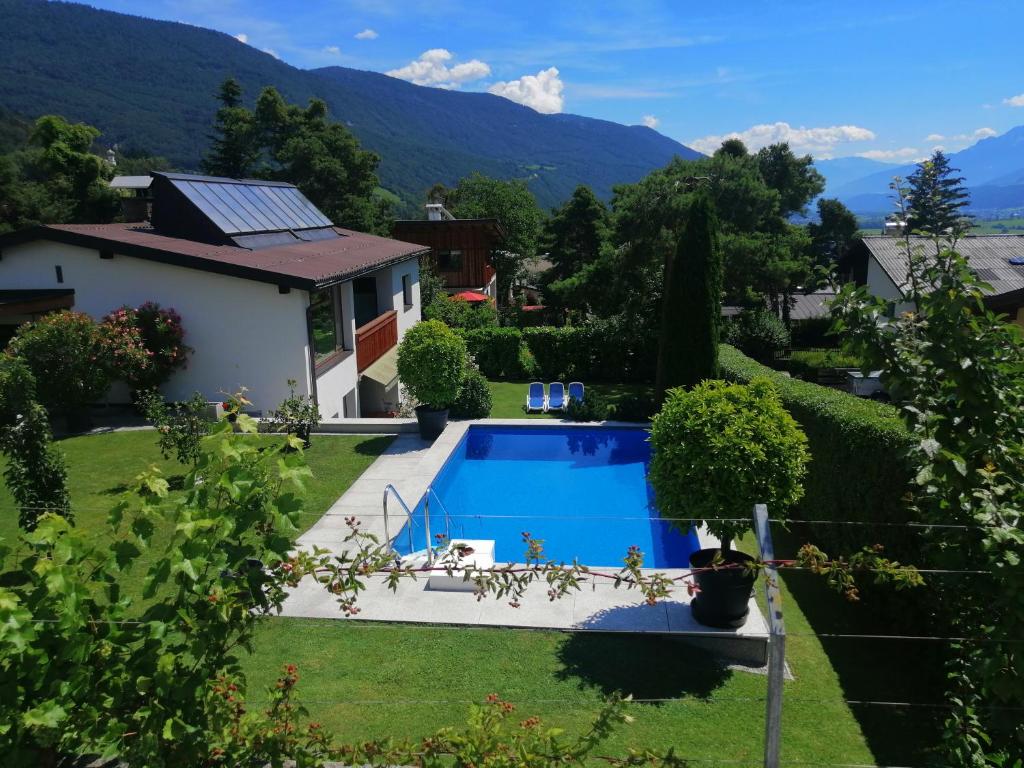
x=859, y=469
x=597, y=351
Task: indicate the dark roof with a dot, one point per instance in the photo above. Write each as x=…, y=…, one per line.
x=305, y=265
x=988, y=255
x=491, y=224
x=807, y=306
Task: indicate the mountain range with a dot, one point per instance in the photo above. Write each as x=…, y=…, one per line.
x=993, y=171
x=149, y=87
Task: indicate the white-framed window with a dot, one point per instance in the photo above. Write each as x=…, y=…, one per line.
x=407, y=291
x=449, y=261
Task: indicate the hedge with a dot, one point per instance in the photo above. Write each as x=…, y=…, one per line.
x=596, y=351
x=859, y=469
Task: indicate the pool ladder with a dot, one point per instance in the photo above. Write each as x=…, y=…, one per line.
x=390, y=490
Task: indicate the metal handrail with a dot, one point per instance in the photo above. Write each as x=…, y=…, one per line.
x=390, y=489
x=447, y=517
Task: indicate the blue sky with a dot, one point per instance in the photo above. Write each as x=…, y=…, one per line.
x=887, y=80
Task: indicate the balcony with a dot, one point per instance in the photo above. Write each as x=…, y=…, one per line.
x=375, y=338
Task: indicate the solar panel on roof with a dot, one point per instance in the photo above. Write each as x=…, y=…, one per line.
x=240, y=208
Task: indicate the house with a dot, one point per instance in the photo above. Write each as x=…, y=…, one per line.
x=810, y=306
x=460, y=249
x=267, y=287
x=880, y=262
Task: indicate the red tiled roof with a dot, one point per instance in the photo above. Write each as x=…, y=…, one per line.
x=306, y=265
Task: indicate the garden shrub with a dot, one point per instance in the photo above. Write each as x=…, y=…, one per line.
x=297, y=415
x=432, y=363
x=634, y=408
x=498, y=352
x=758, y=333
x=148, y=344
x=720, y=448
x=593, y=407
x=459, y=313
x=813, y=333
x=859, y=469
x=69, y=357
x=474, y=400
x=181, y=426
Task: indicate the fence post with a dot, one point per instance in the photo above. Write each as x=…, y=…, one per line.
x=776, y=641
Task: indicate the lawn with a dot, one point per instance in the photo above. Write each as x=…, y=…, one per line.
x=509, y=397
x=366, y=680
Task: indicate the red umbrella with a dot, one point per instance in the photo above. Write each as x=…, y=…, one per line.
x=472, y=296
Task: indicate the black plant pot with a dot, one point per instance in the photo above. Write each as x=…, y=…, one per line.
x=432, y=421
x=724, y=598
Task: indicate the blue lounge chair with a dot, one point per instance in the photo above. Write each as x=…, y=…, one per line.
x=535, y=400
x=576, y=391
x=556, y=396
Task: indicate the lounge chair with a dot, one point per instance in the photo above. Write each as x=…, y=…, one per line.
x=556, y=396
x=535, y=400
x=576, y=391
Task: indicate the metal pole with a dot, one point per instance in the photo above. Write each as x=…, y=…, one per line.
x=426, y=523
x=387, y=534
x=776, y=641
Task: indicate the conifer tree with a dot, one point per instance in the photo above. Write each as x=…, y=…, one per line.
x=233, y=144
x=691, y=308
x=937, y=198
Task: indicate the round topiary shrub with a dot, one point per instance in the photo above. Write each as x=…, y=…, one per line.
x=758, y=333
x=474, y=400
x=432, y=363
x=721, y=448
x=69, y=356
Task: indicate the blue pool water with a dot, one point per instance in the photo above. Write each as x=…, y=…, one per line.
x=584, y=491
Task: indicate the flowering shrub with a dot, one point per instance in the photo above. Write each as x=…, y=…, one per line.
x=297, y=415
x=147, y=344
x=69, y=356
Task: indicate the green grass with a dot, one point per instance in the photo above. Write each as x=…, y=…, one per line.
x=509, y=397
x=1011, y=226
x=367, y=680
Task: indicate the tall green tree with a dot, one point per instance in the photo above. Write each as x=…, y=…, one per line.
x=691, y=307
x=795, y=178
x=514, y=206
x=937, y=198
x=833, y=232
x=300, y=145
x=575, y=233
x=55, y=177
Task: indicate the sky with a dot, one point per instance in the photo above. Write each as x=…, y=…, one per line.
x=889, y=81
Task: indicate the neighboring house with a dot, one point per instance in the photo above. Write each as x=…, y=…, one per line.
x=267, y=287
x=880, y=263
x=460, y=249
x=810, y=306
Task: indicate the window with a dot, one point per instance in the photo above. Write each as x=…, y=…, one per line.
x=324, y=311
x=407, y=290
x=449, y=261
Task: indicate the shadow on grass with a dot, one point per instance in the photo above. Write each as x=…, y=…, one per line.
x=174, y=483
x=375, y=446
x=875, y=669
x=644, y=666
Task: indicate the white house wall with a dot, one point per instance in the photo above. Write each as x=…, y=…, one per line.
x=880, y=284
x=242, y=332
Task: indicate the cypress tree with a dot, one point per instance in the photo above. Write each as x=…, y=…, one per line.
x=691, y=306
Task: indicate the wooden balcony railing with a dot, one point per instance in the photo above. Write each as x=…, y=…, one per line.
x=375, y=338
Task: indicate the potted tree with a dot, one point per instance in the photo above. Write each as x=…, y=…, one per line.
x=718, y=450
x=431, y=366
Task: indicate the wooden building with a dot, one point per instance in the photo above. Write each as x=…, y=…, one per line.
x=460, y=249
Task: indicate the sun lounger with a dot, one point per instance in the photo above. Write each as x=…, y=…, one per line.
x=556, y=396
x=576, y=391
x=535, y=400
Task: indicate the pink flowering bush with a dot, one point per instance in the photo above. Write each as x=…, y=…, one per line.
x=147, y=344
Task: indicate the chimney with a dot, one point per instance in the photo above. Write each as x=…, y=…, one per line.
x=437, y=212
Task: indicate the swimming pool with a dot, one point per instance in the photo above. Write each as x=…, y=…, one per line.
x=582, y=490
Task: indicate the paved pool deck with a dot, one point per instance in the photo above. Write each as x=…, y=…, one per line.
x=410, y=464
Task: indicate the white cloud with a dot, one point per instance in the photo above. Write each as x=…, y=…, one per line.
x=431, y=68
x=984, y=133
x=650, y=121
x=1015, y=101
x=934, y=137
x=242, y=37
x=820, y=142
x=542, y=92
x=367, y=34
x=904, y=153
x=272, y=52
x=332, y=50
